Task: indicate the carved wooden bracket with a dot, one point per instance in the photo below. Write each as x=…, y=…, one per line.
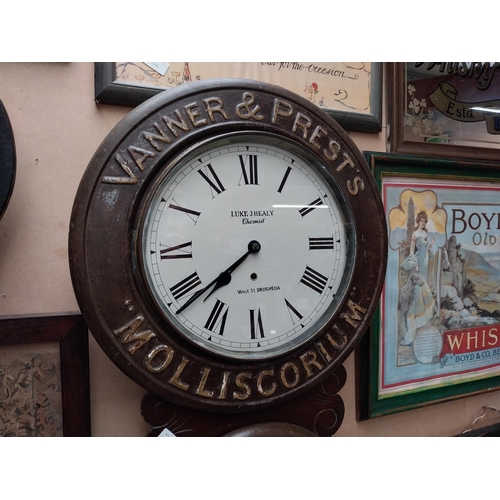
x=319, y=412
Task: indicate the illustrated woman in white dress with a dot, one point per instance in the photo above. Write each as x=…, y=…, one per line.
x=420, y=304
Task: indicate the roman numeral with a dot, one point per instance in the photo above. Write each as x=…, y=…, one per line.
x=185, y=286
x=192, y=214
x=321, y=243
x=172, y=253
x=293, y=312
x=215, y=320
x=314, y=280
x=285, y=177
x=212, y=179
x=256, y=327
x=306, y=210
x=249, y=163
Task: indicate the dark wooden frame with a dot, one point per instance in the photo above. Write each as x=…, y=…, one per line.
x=7, y=159
x=70, y=331
x=108, y=91
x=395, y=79
x=368, y=405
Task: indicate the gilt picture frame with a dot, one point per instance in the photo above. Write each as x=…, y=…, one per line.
x=435, y=336
x=350, y=92
x=44, y=376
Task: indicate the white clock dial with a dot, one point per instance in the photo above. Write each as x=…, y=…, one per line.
x=245, y=246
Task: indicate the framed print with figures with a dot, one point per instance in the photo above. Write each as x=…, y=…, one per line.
x=436, y=334
x=350, y=92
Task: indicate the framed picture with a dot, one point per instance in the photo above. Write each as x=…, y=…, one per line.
x=436, y=334
x=44, y=376
x=350, y=92
x=444, y=109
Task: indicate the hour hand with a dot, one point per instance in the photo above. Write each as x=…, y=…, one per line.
x=224, y=278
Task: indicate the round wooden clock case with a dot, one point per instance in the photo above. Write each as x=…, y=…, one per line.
x=228, y=245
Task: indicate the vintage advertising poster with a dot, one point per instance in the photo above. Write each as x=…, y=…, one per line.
x=440, y=308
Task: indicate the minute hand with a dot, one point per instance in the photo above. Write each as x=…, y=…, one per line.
x=224, y=277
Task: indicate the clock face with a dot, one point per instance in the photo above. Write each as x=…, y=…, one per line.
x=246, y=245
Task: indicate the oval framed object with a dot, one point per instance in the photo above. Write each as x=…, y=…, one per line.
x=7, y=160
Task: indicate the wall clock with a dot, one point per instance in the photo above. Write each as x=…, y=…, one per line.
x=227, y=245
x=7, y=160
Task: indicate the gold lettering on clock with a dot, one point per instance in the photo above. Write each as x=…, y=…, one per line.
x=193, y=113
x=130, y=334
x=302, y=122
x=139, y=155
x=283, y=375
x=153, y=139
x=353, y=318
x=310, y=359
x=130, y=178
x=163, y=363
x=325, y=353
x=242, y=383
x=175, y=379
x=335, y=343
x=200, y=390
x=214, y=105
x=281, y=108
x=245, y=111
x=224, y=384
x=318, y=132
x=356, y=185
x=270, y=390
x=174, y=125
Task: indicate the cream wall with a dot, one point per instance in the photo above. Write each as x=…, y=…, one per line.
x=57, y=128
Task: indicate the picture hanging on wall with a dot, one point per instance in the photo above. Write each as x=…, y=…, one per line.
x=436, y=334
x=350, y=92
x=447, y=109
x=44, y=376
